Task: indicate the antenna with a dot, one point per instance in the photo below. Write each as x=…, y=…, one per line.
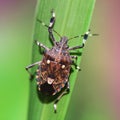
x=85, y=36
x=48, y=27
x=75, y=37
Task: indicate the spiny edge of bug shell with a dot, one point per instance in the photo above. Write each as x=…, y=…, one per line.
x=37, y=77
x=38, y=83
x=38, y=70
x=62, y=85
x=59, y=89
x=54, y=92
x=39, y=88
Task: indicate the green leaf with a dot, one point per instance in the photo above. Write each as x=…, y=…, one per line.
x=72, y=18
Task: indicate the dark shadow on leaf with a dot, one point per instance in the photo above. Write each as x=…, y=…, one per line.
x=32, y=76
x=76, y=53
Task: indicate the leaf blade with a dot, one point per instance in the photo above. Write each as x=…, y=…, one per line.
x=68, y=21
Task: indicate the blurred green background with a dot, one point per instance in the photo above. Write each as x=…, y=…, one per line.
x=96, y=95
x=16, y=27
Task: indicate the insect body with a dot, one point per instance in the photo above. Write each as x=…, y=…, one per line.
x=54, y=69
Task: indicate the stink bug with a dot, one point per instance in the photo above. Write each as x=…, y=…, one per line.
x=53, y=70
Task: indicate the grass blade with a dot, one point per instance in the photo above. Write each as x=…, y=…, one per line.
x=72, y=18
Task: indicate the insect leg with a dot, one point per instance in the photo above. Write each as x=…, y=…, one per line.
x=74, y=57
x=50, y=27
x=76, y=66
x=76, y=47
x=41, y=45
x=85, y=37
x=30, y=66
x=66, y=91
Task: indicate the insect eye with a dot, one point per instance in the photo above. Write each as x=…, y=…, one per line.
x=63, y=66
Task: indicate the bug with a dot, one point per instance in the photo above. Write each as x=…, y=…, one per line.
x=53, y=70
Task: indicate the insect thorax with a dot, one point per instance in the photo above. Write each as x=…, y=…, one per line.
x=55, y=69
x=59, y=55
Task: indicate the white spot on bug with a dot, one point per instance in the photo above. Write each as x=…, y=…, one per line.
x=55, y=107
x=84, y=40
x=53, y=14
x=39, y=88
x=37, y=43
x=41, y=44
x=37, y=70
x=63, y=66
x=78, y=67
x=50, y=25
x=87, y=32
x=48, y=61
x=50, y=80
x=37, y=83
x=37, y=76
